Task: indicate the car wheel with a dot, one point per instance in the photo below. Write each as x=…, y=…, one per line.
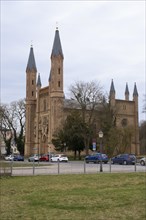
x=125, y=162
x=28, y=160
x=142, y=163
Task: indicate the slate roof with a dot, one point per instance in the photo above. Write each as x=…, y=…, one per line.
x=73, y=104
x=31, y=61
x=112, y=89
x=57, y=49
x=126, y=90
x=135, y=93
x=39, y=81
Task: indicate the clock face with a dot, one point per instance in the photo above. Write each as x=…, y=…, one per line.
x=124, y=122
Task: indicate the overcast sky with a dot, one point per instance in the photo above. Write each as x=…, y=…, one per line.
x=101, y=40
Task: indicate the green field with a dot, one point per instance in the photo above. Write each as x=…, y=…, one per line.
x=74, y=197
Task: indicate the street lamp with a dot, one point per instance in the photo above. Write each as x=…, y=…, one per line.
x=100, y=137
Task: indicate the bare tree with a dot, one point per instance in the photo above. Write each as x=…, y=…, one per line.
x=13, y=118
x=90, y=97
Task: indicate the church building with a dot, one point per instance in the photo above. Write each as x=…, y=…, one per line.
x=46, y=107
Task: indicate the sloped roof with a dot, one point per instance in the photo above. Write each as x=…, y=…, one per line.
x=31, y=61
x=73, y=104
x=112, y=89
x=135, y=93
x=39, y=81
x=57, y=49
x=127, y=90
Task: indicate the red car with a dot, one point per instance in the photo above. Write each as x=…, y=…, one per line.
x=44, y=157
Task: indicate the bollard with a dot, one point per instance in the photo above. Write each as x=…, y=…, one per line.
x=58, y=166
x=33, y=168
x=11, y=167
x=110, y=165
x=135, y=166
x=84, y=166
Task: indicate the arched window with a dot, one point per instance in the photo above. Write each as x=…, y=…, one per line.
x=124, y=122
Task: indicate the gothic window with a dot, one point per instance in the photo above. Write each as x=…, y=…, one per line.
x=32, y=93
x=124, y=122
x=58, y=83
x=124, y=107
x=59, y=71
x=32, y=82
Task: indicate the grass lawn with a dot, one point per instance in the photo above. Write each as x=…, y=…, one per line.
x=103, y=196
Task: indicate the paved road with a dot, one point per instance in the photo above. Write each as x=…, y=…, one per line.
x=74, y=167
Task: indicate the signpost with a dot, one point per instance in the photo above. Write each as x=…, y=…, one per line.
x=94, y=145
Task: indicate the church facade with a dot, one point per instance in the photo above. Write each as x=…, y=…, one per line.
x=46, y=107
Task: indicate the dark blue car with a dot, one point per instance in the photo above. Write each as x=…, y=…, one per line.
x=96, y=158
x=18, y=158
x=124, y=159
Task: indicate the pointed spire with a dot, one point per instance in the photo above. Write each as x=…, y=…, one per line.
x=112, y=89
x=39, y=84
x=31, y=61
x=57, y=49
x=126, y=89
x=127, y=92
x=135, y=93
x=49, y=76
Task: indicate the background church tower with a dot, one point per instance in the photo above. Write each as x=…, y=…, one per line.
x=112, y=95
x=31, y=71
x=56, y=84
x=135, y=99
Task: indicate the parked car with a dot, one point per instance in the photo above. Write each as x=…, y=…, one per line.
x=9, y=157
x=44, y=157
x=18, y=158
x=34, y=158
x=143, y=161
x=96, y=158
x=59, y=157
x=124, y=159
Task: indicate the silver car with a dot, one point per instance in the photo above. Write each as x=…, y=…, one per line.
x=143, y=161
x=34, y=158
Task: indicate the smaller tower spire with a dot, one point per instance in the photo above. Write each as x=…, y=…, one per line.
x=31, y=66
x=112, y=88
x=127, y=92
x=39, y=84
x=112, y=95
x=135, y=93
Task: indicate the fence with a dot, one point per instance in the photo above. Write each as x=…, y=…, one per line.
x=72, y=167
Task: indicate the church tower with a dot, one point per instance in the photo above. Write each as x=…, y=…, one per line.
x=126, y=92
x=56, y=84
x=112, y=95
x=135, y=99
x=31, y=71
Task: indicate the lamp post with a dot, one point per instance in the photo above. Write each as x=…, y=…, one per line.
x=100, y=137
x=64, y=147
